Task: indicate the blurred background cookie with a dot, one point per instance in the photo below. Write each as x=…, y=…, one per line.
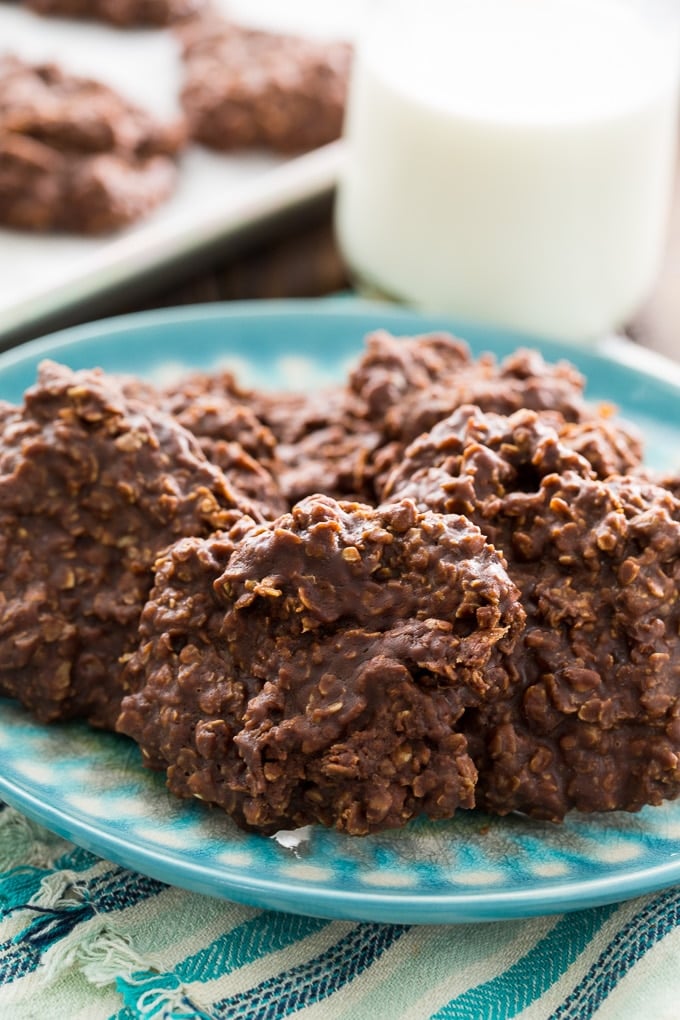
x=75, y=155
x=248, y=87
x=121, y=12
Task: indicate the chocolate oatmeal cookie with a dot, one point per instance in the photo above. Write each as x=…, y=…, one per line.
x=76, y=156
x=593, y=720
x=246, y=87
x=611, y=447
x=188, y=699
x=325, y=442
x=92, y=487
x=669, y=480
x=122, y=13
x=298, y=443
x=591, y=716
x=319, y=673
x=472, y=459
x=214, y=406
x=211, y=406
x=411, y=383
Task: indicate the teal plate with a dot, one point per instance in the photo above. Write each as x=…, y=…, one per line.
x=90, y=786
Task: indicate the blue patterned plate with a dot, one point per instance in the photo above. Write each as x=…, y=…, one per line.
x=90, y=787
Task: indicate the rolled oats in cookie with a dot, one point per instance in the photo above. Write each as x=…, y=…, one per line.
x=92, y=487
x=325, y=442
x=122, y=12
x=592, y=721
x=471, y=460
x=187, y=700
x=669, y=480
x=611, y=446
x=258, y=484
x=212, y=408
x=346, y=644
x=76, y=156
x=589, y=720
x=246, y=87
x=392, y=368
x=410, y=383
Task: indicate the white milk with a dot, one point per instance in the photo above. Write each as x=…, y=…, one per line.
x=511, y=160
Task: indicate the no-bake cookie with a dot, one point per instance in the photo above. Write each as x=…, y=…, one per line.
x=319, y=672
x=212, y=407
x=495, y=623
x=92, y=487
x=121, y=12
x=591, y=716
x=246, y=87
x=75, y=155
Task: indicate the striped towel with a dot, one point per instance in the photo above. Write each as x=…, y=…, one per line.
x=83, y=939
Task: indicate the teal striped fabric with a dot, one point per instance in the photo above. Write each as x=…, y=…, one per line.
x=82, y=939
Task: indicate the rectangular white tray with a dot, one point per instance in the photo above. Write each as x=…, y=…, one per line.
x=219, y=197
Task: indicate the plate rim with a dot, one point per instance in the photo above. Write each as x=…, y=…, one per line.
x=394, y=905
x=614, y=347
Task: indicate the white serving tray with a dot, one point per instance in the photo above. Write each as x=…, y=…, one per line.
x=219, y=197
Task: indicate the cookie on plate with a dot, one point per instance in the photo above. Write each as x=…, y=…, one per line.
x=319, y=670
x=75, y=155
x=212, y=407
x=591, y=717
x=93, y=486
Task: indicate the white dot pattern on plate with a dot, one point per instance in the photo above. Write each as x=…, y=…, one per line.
x=169, y=372
x=178, y=839
x=614, y=853
x=308, y=872
x=131, y=808
x=480, y=876
x=95, y=806
x=550, y=869
x=235, y=858
x=300, y=372
x=240, y=367
x=669, y=827
x=37, y=771
x=389, y=880
x=470, y=856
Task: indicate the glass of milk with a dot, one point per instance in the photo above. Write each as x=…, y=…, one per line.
x=511, y=161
